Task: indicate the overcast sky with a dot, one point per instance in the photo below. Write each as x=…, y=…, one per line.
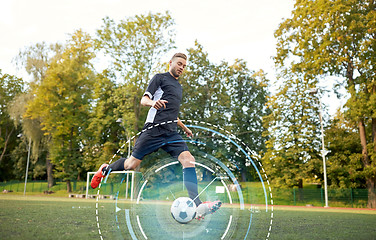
x=227, y=29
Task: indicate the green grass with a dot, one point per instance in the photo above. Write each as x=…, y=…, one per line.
x=252, y=192
x=45, y=218
x=48, y=217
x=321, y=223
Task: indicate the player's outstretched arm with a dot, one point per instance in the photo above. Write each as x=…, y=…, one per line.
x=146, y=101
x=185, y=128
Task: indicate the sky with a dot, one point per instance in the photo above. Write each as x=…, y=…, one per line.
x=227, y=29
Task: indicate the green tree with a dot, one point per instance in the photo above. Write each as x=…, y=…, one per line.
x=35, y=59
x=293, y=130
x=63, y=103
x=205, y=96
x=105, y=133
x=344, y=166
x=337, y=37
x=248, y=94
x=10, y=87
x=32, y=134
x=135, y=46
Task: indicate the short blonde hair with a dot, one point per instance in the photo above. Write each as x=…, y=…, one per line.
x=181, y=55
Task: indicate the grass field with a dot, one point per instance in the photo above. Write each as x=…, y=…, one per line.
x=40, y=217
x=252, y=193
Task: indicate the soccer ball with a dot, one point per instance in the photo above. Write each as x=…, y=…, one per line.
x=183, y=210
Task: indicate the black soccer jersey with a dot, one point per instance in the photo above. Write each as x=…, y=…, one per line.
x=165, y=86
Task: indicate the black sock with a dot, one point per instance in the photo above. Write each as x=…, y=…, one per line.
x=190, y=182
x=116, y=166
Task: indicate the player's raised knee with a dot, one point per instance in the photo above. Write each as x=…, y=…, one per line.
x=186, y=159
x=131, y=163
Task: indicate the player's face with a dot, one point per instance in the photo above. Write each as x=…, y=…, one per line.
x=177, y=66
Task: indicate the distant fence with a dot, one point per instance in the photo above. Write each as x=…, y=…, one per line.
x=252, y=195
x=41, y=186
x=315, y=197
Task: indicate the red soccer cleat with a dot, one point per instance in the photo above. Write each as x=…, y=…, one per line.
x=96, y=180
x=206, y=208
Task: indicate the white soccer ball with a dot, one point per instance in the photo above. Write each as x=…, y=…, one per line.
x=183, y=210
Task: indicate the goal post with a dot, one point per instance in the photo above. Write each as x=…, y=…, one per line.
x=130, y=180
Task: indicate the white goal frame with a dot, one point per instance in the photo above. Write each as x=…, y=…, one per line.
x=126, y=186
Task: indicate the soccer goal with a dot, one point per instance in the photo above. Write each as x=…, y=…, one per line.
x=129, y=180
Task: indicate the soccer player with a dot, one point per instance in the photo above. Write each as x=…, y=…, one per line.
x=163, y=95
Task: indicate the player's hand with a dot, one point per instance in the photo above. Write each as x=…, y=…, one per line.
x=188, y=132
x=159, y=104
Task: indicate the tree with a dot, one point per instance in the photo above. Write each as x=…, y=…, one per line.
x=32, y=134
x=248, y=96
x=337, y=37
x=10, y=87
x=293, y=130
x=35, y=59
x=105, y=132
x=205, y=96
x=135, y=46
x=63, y=102
x=344, y=166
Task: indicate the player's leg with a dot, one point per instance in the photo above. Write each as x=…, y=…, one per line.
x=120, y=165
x=189, y=175
x=190, y=182
x=176, y=146
x=146, y=143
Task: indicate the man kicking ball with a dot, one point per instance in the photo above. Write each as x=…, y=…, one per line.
x=163, y=95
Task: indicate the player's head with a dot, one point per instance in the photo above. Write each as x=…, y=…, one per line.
x=177, y=64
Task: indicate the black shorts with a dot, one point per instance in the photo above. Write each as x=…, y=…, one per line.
x=147, y=143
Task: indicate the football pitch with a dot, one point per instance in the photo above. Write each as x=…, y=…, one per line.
x=38, y=217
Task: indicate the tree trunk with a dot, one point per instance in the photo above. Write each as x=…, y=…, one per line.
x=374, y=134
x=300, y=190
x=6, y=144
x=244, y=175
x=50, y=177
x=365, y=159
x=363, y=142
x=371, y=183
x=137, y=112
x=69, y=186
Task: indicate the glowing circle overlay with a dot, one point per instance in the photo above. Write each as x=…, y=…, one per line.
x=134, y=221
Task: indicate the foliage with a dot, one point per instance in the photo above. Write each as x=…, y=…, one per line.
x=248, y=96
x=35, y=59
x=205, y=97
x=344, y=159
x=293, y=130
x=104, y=132
x=63, y=101
x=10, y=87
x=337, y=37
x=248, y=93
x=31, y=134
x=135, y=46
